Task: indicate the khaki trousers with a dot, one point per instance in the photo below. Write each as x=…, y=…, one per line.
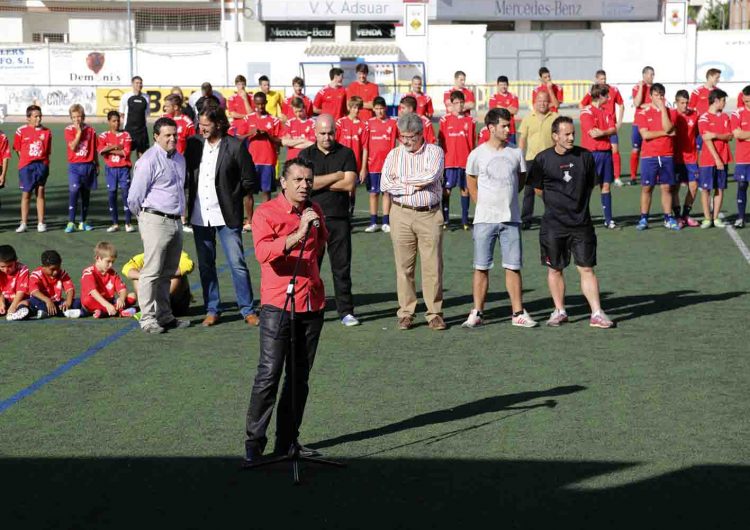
x=415, y=232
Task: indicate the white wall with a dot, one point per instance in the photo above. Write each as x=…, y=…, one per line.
x=11, y=29
x=98, y=30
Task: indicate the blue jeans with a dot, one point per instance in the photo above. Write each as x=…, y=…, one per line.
x=231, y=242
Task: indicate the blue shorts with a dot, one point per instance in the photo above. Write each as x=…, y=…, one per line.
x=742, y=173
x=657, y=170
x=486, y=234
x=614, y=139
x=372, y=182
x=267, y=177
x=117, y=177
x=454, y=176
x=82, y=175
x=33, y=176
x=635, y=137
x=699, y=142
x=712, y=178
x=686, y=172
x=604, y=168
x=512, y=138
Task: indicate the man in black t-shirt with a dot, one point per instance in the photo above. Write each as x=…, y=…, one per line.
x=335, y=170
x=134, y=110
x=564, y=176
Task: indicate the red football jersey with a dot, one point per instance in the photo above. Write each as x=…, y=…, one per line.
x=286, y=107
x=107, y=284
x=740, y=102
x=261, y=148
x=121, y=138
x=32, y=145
x=557, y=90
x=741, y=120
x=650, y=120
x=456, y=135
x=4, y=147
x=367, y=91
x=468, y=98
x=699, y=100
x=505, y=101
x=352, y=135
x=718, y=124
x=424, y=104
x=381, y=138
x=54, y=288
x=86, y=150
x=331, y=101
x=185, y=129
x=236, y=104
x=429, y=130
x=484, y=136
x=686, y=131
x=646, y=93
x=10, y=284
x=615, y=98
x=595, y=118
x=295, y=128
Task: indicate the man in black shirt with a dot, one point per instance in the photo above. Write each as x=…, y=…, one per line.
x=335, y=170
x=134, y=110
x=565, y=175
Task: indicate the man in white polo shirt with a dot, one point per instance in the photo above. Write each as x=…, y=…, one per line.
x=495, y=172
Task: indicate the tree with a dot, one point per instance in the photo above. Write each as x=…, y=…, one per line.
x=716, y=16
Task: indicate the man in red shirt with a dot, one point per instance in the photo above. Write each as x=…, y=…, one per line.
x=33, y=143
x=716, y=130
x=545, y=83
x=699, y=97
x=4, y=158
x=741, y=131
x=685, y=158
x=409, y=104
x=14, y=285
x=280, y=227
x=51, y=289
x=641, y=100
x=240, y=104
x=459, y=83
x=364, y=89
x=331, y=99
x=424, y=102
x=83, y=166
x=382, y=133
x=298, y=86
x=456, y=135
x=115, y=147
x=615, y=107
x=504, y=99
x=299, y=131
x=103, y=292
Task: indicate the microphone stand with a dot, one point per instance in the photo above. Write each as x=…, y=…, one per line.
x=293, y=455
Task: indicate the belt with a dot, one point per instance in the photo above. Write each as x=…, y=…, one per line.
x=172, y=216
x=417, y=208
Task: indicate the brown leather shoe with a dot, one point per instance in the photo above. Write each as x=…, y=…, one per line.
x=210, y=320
x=437, y=323
x=252, y=320
x=405, y=323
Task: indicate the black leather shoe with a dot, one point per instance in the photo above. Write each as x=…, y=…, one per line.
x=252, y=455
x=303, y=451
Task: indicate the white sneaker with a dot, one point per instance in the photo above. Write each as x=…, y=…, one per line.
x=130, y=228
x=187, y=229
x=41, y=227
x=21, y=228
x=113, y=228
x=20, y=313
x=524, y=320
x=349, y=321
x=474, y=319
x=386, y=229
x=618, y=183
x=372, y=228
x=72, y=313
x=739, y=223
x=611, y=224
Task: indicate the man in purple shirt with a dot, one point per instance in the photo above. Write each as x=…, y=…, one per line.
x=157, y=196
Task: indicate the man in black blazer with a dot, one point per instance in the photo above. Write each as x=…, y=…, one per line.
x=220, y=173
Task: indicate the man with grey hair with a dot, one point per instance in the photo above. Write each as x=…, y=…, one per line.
x=412, y=174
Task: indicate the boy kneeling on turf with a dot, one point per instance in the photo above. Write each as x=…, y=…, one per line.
x=52, y=290
x=102, y=291
x=14, y=285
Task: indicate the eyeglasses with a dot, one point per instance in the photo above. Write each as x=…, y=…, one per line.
x=410, y=137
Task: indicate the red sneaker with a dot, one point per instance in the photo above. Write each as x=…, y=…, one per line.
x=600, y=320
x=692, y=223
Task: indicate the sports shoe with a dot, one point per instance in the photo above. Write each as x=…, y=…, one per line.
x=113, y=228
x=706, y=223
x=681, y=222
x=19, y=314
x=473, y=320
x=137, y=315
x=153, y=329
x=642, y=225
x=130, y=228
x=386, y=228
x=557, y=318
x=97, y=314
x=437, y=323
x=739, y=223
x=600, y=320
x=633, y=182
x=350, y=320
x=689, y=221
x=41, y=227
x=618, y=183
x=372, y=228
x=445, y=226
x=70, y=227
x=21, y=228
x=247, y=227
x=176, y=324
x=611, y=224
x=671, y=224
x=524, y=320
x=467, y=228
x=40, y=314
x=720, y=223
x=72, y=313
x=187, y=229
x=129, y=312
x=405, y=323
x=85, y=227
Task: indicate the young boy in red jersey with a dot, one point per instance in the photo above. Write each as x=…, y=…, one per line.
x=409, y=104
x=456, y=136
x=103, y=292
x=615, y=107
x=83, y=166
x=641, y=100
x=298, y=88
x=685, y=158
x=52, y=291
x=240, y=104
x=716, y=130
x=331, y=99
x=424, y=102
x=505, y=99
x=14, y=285
x=33, y=143
x=115, y=147
x=459, y=84
x=741, y=131
x=699, y=96
x=299, y=131
x=545, y=83
x=597, y=126
x=351, y=132
x=364, y=89
x=381, y=137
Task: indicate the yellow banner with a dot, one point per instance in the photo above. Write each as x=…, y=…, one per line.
x=108, y=98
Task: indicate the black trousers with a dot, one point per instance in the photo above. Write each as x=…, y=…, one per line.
x=340, y=256
x=527, y=208
x=274, y=354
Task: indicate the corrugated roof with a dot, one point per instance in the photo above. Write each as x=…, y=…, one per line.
x=351, y=50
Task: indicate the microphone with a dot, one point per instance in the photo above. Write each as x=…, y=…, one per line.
x=316, y=222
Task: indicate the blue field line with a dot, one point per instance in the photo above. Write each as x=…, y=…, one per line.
x=75, y=361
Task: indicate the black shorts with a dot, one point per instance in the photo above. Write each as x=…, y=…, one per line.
x=140, y=140
x=558, y=242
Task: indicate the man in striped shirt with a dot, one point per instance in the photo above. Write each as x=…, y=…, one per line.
x=412, y=175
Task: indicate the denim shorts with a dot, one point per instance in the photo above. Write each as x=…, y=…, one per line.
x=486, y=234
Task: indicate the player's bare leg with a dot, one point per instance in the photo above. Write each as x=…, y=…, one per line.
x=646, y=192
x=692, y=190
x=41, y=204
x=446, y=207
x=718, y=201
x=479, y=286
x=556, y=284
x=374, y=204
x=249, y=204
x=514, y=286
x=666, y=199
x=590, y=288
x=465, y=200
x=706, y=204
x=25, y=204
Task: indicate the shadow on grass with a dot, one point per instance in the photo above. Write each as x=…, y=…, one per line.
x=210, y=492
